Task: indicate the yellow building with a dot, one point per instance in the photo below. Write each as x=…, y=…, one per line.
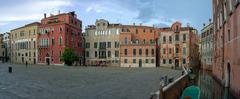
x=23, y=44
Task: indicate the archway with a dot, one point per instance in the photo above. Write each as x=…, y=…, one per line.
x=228, y=75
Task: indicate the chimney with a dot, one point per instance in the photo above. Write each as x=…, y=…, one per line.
x=45, y=15
x=204, y=24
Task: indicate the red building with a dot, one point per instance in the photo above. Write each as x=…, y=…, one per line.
x=56, y=33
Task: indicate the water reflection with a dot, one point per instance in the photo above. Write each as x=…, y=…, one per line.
x=210, y=88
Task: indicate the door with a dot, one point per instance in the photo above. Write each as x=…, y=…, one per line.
x=23, y=60
x=34, y=61
x=140, y=62
x=176, y=63
x=47, y=61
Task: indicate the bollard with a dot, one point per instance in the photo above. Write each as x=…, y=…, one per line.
x=10, y=69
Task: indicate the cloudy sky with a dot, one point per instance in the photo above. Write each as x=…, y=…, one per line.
x=15, y=13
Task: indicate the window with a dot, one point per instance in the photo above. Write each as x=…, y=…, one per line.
x=87, y=45
x=184, y=61
x=52, y=41
x=146, y=52
x=146, y=60
x=170, y=39
x=170, y=50
x=96, y=53
x=134, y=52
x=109, y=44
x=152, y=52
x=126, y=40
x=60, y=40
x=134, y=60
x=144, y=41
x=176, y=50
x=144, y=30
x=125, y=61
x=60, y=29
x=170, y=61
x=116, y=53
x=164, y=61
x=140, y=52
x=184, y=51
x=164, y=50
x=184, y=37
x=125, y=51
x=164, y=39
x=52, y=29
x=116, y=45
x=176, y=37
x=230, y=5
x=177, y=28
x=95, y=44
x=87, y=53
x=109, y=53
x=136, y=31
x=152, y=60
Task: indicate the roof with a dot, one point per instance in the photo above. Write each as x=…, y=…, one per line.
x=27, y=25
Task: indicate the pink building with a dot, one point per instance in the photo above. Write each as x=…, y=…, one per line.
x=226, y=64
x=56, y=33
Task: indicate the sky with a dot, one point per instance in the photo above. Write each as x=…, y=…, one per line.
x=161, y=13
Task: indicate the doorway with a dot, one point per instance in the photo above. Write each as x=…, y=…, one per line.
x=228, y=75
x=47, y=61
x=176, y=63
x=140, y=62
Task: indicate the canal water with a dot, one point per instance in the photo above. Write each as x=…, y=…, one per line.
x=210, y=88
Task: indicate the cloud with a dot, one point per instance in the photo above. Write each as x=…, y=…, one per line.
x=30, y=10
x=95, y=8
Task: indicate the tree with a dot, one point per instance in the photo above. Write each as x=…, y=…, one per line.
x=69, y=56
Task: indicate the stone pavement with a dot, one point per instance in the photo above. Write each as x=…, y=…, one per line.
x=62, y=82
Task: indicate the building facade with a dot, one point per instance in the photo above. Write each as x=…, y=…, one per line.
x=227, y=43
x=2, y=49
x=178, y=46
x=56, y=33
x=6, y=42
x=207, y=47
x=138, y=46
x=23, y=44
x=102, y=43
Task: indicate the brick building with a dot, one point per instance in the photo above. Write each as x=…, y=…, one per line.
x=226, y=64
x=56, y=33
x=138, y=46
x=178, y=46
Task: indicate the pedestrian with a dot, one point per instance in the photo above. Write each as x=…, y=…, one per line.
x=26, y=64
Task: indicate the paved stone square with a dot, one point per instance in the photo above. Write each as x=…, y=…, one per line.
x=62, y=82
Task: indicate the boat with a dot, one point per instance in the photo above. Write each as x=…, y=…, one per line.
x=191, y=92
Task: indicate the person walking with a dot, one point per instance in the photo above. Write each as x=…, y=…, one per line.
x=26, y=64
